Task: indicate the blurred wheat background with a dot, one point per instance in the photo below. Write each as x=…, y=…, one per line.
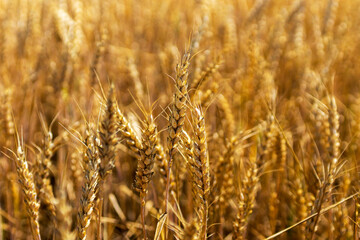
x=193, y=119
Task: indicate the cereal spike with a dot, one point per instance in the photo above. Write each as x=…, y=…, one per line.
x=130, y=140
x=177, y=116
x=108, y=138
x=91, y=184
x=202, y=169
x=145, y=164
x=26, y=180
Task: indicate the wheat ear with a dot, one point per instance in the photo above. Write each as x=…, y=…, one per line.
x=107, y=135
x=127, y=134
x=91, y=184
x=177, y=116
x=331, y=167
x=46, y=194
x=247, y=196
x=145, y=164
x=26, y=180
x=198, y=162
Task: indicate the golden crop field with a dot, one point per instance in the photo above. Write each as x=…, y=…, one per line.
x=179, y=120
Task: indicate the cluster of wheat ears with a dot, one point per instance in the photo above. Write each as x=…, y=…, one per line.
x=189, y=120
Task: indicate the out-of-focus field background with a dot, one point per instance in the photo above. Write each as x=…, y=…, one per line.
x=194, y=119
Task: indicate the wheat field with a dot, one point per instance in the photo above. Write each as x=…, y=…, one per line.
x=186, y=120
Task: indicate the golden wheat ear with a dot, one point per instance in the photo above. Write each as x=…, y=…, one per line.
x=331, y=166
x=205, y=75
x=107, y=135
x=42, y=170
x=26, y=180
x=127, y=135
x=90, y=188
x=146, y=160
x=246, y=196
x=177, y=117
x=198, y=160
